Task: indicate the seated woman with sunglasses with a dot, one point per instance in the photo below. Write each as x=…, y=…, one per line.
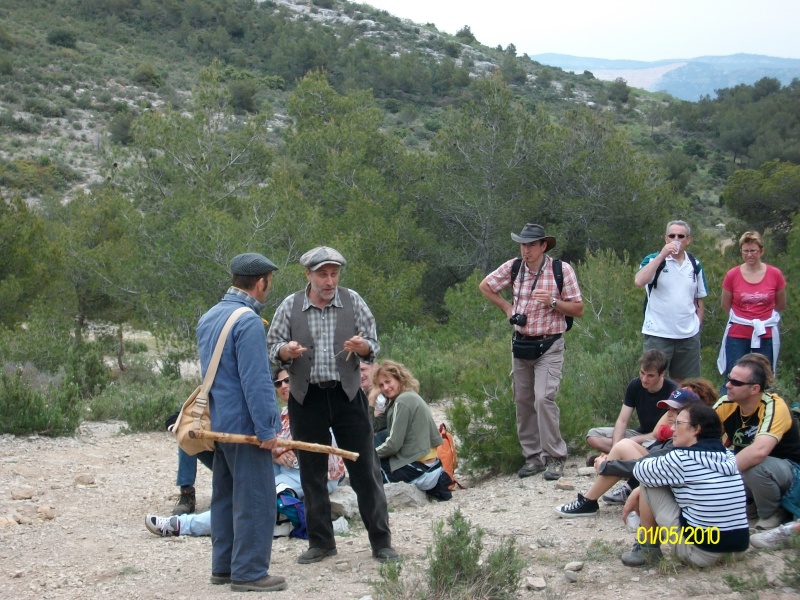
x=693, y=497
x=408, y=452
x=753, y=295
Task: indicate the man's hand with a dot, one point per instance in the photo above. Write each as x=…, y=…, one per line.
x=292, y=350
x=358, y=345
x=285, y=459
x=268, y=444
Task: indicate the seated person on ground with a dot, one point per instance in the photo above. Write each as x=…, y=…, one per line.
x=642, y=396
x=692, y=497
x=408, y=453
x=761, y=432
x=620, y=461
x=287, y=477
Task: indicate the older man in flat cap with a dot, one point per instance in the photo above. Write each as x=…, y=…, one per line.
x=544, y=294
x=243, y=504
x=320, y=335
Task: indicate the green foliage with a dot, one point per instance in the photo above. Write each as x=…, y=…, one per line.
x=62, y=37
x=465, y=35
x=619, y=91
x=243, y=96
x=146, y=74
x=28, y=408
x=6, y=65
x=120, y=128
x=86, y=370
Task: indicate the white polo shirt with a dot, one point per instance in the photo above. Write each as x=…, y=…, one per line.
x=671, y=311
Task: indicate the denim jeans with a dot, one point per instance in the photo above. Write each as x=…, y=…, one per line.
x=736, y=348
x=187, y=466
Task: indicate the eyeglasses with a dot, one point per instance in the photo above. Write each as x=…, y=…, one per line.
x=672, y=236
x=754, y=251
x=280, y=382
x=681, y=423
x=737, y=383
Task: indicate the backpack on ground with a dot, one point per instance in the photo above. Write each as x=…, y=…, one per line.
x=447, y=456
x=558, y=275
x=654, y=284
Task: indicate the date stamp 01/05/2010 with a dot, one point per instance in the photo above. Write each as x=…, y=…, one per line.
x=675, y=535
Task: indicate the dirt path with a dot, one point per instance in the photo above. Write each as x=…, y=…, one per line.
x=101, y=483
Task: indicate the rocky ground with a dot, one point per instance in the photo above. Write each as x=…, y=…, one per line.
x=72, y=526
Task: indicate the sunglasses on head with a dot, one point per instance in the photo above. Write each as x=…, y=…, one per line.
x=737, y=383
x=672, y=236
x=280, y=382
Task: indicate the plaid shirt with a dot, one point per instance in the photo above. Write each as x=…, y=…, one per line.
x=542, y=320
x=322, y=323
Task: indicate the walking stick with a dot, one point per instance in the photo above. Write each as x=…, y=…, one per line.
x=238, y=438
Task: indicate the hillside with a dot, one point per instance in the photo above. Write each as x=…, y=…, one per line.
x=687, y=79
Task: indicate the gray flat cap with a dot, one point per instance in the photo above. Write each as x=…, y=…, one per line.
x=321, y=255
x=252, y=263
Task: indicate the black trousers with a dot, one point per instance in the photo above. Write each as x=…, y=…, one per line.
x=310, y=422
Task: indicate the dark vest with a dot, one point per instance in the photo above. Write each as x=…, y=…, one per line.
x=299, y=331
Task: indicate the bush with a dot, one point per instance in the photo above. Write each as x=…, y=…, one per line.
x=6, y=65
x=147, y=75
x=120, y=128
x=243, y=95
x=62, y=37
x=85, y=368
x=26, y=408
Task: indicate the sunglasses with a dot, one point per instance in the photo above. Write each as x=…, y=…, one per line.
x=280, y=382
x=737, y=383
x=672, y=236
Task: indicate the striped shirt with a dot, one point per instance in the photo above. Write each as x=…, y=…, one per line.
x=322, y=323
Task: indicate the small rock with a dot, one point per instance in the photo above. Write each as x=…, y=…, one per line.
x=56, y=486
x=404, y=494
x=23, y=493
x=564, y=484
x=570, y=576
x=368, y=597
x=587, y=471
x=535, y=583
x=342, y=565
x=8, y=522
x=48, y=513
x=574, y=566
x=343, y=502
x=85, y=479
x=634, y=579
x=23, y=520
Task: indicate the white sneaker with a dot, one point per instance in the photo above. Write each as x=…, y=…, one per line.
x=618, y=495
x=774, y=538
x=163, y=526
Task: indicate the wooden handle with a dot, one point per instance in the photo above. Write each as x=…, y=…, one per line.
x=239, y=438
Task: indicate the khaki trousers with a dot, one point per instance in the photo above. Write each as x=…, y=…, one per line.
x=536, y=384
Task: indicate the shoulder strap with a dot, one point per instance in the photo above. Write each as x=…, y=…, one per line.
x=695, y=266
x=515, y=266
x=211, y=372
x=660, y=268
x=558, y=274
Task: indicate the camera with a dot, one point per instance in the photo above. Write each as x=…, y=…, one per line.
x=518, y=319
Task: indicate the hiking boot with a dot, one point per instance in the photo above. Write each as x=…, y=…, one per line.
x=582, y=507
x=220, y=578
x=618, y=495
x=386, y=555
x=774, y=538
x=530, y=468
x=270, y=583
x=313, y=555
x=163, y=526
x=642, y=554
x=554, y=470
x=186, y=502
x=772, y=522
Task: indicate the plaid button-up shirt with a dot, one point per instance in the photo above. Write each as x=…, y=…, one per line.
x=542, y=320
x=322, y=323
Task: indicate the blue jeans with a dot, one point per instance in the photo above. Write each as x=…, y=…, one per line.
x=187, y=466
x=243, y=511
x=736, y=348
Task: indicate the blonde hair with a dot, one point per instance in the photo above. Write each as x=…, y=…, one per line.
x=395, y=370
x=751, y=237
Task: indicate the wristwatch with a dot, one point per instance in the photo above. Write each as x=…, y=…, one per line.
x=553, y=303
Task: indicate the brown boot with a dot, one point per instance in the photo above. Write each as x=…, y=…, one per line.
x=186, y=502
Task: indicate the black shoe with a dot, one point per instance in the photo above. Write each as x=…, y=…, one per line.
x=386, y=555
x=220, y=578
x=554, y=470
x=313, y=555
x=186, y=503
x=582, y=507
x=529, y=469
x=270, y=583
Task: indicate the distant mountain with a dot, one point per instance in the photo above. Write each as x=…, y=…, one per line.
x=684, y=78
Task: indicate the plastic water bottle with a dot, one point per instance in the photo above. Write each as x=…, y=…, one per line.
x=633, y=521
x=380, y=402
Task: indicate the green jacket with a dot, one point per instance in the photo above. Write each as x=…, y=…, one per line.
x=412, y=431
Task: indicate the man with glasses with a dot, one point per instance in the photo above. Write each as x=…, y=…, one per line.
x=759, y=429
x=675, y=285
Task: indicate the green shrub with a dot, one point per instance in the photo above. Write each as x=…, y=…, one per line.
x=26, y=408
x=62, y=37
x=6, y=65
x=146, y=74
x=85, y=368
x=120, y=128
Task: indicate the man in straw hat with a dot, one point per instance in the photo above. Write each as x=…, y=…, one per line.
x=242, y=401
x=537, y=310
x=320, y=335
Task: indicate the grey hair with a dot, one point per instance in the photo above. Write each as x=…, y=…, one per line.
x=682, y=224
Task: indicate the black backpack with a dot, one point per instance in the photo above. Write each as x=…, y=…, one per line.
x=558, y=274
x=654, y=284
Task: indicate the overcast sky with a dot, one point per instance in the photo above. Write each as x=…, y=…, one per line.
x=617, y=29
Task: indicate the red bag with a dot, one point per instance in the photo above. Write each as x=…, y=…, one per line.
x=447, y=455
